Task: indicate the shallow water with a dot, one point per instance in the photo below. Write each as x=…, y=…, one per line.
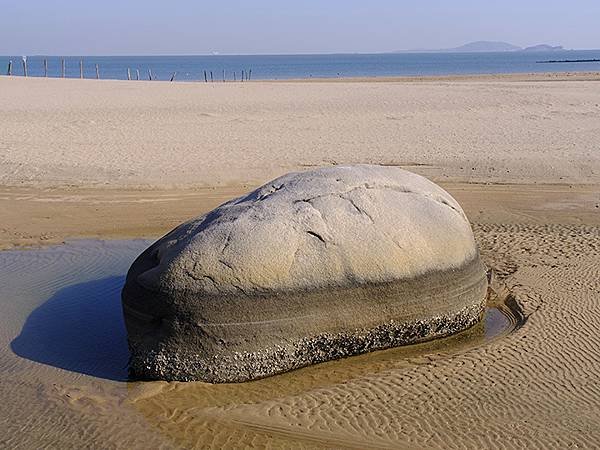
x=62, y=337
x=305, y=66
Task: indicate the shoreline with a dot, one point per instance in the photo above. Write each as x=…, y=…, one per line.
x=584, y=75
x=514, y=77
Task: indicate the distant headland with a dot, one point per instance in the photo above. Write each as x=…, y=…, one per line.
x=489, y=46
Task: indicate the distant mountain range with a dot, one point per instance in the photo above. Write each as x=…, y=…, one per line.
x=489, y=46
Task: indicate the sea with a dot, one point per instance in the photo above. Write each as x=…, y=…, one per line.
x=278, y=67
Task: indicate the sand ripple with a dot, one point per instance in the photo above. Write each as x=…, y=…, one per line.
x=535, y=387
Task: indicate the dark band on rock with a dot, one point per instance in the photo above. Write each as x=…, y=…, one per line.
x=454, y=302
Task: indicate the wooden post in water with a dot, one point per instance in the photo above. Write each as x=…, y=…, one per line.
x=211, y=77
x=97, y=72
x=250, y=75
x=242, y=79
x=234, y=76
x=173, y=76
x=128, y=73
x=150, y=74
x=62, y=68
x=223, y=75
x=9, y=71
x=25, y=66
x=81, y=68
x=205, y=79
x=45, y=67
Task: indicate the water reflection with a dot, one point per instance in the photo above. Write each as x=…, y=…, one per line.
x=80, y=329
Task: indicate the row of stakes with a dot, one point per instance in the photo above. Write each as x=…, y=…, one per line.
x=246, y=75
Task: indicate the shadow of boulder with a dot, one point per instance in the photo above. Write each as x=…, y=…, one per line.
x=81, y=329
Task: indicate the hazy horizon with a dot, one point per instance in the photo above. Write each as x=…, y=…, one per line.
x=100, y=55
x=267, y=27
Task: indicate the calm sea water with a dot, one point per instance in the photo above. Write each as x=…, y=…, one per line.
x=305, y=66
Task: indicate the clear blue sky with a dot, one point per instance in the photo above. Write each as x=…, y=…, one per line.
x=126, y=27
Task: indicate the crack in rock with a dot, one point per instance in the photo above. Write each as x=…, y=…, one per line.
x=317, y=235
x=399, y=189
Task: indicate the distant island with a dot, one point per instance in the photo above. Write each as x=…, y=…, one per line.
x=485, y=46
x=489, y=46
x=543, y=48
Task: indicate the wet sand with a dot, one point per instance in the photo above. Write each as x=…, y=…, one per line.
x=62, y=364
x=64, y=349
x=32, y=217
x=538, y=228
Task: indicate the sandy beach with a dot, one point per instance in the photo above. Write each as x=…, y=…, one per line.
x=127, y=160
x=147, y=134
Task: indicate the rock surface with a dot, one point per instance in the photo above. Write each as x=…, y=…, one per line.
x=309, y=267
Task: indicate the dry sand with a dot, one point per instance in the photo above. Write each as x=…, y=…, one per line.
x=132, y=159
x=116, y=133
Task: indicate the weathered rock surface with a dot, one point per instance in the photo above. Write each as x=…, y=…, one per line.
x=310, y=267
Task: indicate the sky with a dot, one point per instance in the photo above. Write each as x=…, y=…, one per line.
x=165, y=27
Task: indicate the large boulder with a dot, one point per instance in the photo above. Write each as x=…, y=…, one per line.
x=310, y=267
